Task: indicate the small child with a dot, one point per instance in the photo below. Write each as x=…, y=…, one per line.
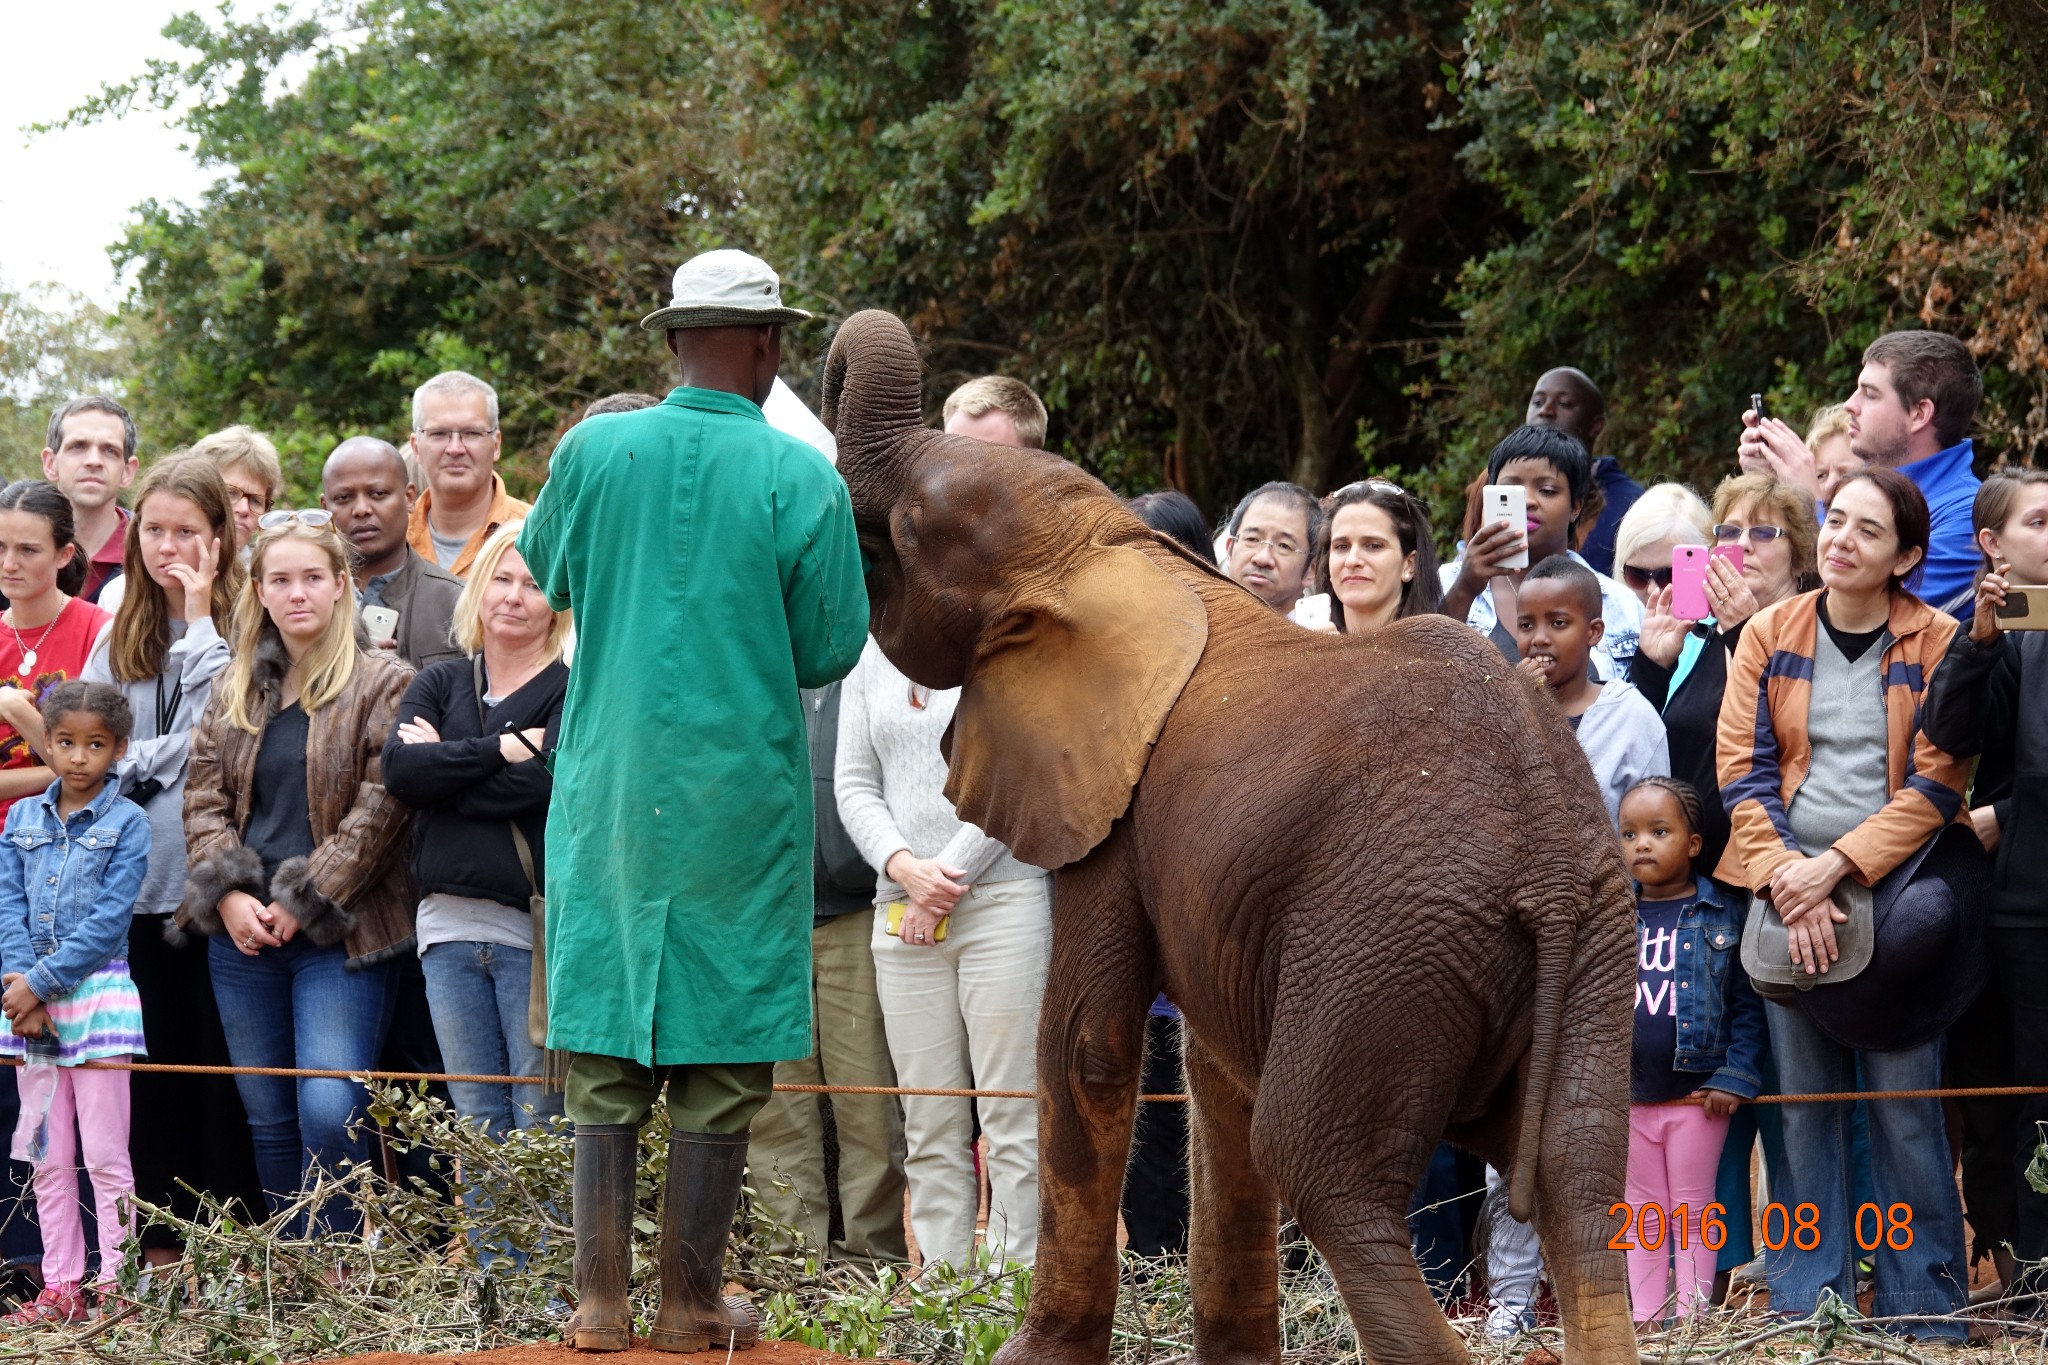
x=1699, y=1027
x=71, y=865
x=1558, y=623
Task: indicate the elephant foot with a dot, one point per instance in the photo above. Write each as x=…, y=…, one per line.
x=1029, y=1345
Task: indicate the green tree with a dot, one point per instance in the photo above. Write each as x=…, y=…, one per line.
x=54, y=346
x=493, y=185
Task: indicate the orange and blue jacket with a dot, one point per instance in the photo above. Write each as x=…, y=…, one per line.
x=1765, y=750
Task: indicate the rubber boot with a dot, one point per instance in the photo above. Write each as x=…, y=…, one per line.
x=607, y=1155
x=704, y=1175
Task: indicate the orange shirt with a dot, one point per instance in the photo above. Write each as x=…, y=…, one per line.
x=504, y=508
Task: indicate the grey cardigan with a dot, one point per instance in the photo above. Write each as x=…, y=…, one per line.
x=157, y=753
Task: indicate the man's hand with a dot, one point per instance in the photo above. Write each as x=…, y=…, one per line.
x=1984, y=627
x=1770, y=447
x=930, y=885
x=1719, y=1104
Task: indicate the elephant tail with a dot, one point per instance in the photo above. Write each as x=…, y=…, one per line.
x=872, y=399
x=1553, y=934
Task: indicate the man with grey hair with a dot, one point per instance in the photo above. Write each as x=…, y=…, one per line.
x=455, y=439
x=90, y=456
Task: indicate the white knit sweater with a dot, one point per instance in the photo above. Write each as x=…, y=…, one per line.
x=890, y=779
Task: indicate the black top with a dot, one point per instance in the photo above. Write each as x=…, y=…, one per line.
x=463, y=787
x=1692, y=721
x=280, y=825
x=1992, y=700
x=1653, y=1076
x=841, y=880
x=1854, y=645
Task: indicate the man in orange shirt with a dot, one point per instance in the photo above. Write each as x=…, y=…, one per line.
x=456, y=441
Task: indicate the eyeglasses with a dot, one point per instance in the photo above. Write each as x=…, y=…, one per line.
x=238, y=498
x=440, y=436
x=1758, y=535
x=1643, y=578
x=285, y=516
x=1282, y=548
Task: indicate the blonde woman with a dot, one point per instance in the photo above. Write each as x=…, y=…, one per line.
x=293, y=847
x=465, y=755
x=168, y=643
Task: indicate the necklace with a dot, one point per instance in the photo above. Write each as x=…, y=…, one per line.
x=28, y=654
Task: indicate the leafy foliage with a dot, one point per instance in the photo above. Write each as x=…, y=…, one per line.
x=54, y=344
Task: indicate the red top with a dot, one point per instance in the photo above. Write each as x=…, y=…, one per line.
x=105, y=565
x=60, y=655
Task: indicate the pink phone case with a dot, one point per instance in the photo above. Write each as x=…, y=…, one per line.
x=1689, y=583
x=1731, y=553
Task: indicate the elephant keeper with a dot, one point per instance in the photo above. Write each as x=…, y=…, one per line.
x=711, y=564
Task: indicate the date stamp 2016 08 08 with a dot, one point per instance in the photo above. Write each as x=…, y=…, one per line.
x=1650, y=1226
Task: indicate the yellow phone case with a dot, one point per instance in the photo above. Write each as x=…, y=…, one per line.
x=897, y=909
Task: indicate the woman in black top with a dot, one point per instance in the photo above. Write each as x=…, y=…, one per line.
x=464, y=755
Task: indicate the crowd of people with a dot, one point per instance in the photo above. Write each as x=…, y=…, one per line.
x=277, y=784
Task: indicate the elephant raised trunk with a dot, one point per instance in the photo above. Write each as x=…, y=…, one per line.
x=872, y=399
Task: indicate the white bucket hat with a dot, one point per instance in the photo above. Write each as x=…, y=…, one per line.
x=724, y=288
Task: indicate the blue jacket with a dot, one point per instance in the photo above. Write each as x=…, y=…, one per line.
x=68, y=887
x=1950, y=486
x=1622, y=492
x=1721, y=1029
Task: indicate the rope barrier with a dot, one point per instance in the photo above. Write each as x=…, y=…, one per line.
x=309, y=1073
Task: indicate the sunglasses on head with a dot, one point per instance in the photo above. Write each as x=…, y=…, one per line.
x=285, y=516
x=1758, y=535
x=1643, y=578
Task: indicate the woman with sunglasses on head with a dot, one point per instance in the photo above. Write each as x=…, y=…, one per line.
x=294, y=848
x=178, y=586
x=1375, y=557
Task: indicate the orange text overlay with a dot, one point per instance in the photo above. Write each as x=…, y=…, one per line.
x=1651, y=1227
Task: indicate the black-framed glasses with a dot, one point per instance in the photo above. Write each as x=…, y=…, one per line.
x=1640, y=579
x=286, y=516
x=1728, y=533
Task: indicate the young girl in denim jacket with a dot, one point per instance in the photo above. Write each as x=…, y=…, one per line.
x=1698, y=1028
x=71, y=864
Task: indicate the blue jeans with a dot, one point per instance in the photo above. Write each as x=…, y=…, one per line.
x=300, y=1006
x=1910, y=1164
x=478, y=993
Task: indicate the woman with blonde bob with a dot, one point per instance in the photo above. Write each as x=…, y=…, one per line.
x=464, y=755
x=293, y=846
x=180, y=577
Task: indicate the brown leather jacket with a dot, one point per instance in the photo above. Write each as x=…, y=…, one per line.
x=354, y=888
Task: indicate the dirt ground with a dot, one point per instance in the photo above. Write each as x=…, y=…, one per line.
x=555, y=1353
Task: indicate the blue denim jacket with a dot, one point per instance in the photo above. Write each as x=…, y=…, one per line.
x=1721, y=1026
x=68, y=887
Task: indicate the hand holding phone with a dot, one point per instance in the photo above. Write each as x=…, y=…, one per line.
x=381, y=623
x=1508, y=502
x=1689, y=583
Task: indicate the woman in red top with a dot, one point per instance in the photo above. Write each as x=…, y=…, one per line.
x=46, y=634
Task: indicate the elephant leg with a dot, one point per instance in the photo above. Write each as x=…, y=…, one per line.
x=1347, y=1130
x=1100, y=981
x=1234, y=1224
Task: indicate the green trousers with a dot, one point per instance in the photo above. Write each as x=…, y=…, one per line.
x=849, y=1046
x=711, y=1098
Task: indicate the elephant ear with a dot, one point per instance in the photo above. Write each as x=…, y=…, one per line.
x=1065, y=697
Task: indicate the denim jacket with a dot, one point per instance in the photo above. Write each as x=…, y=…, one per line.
x=1721, y=1025
x=68, y=887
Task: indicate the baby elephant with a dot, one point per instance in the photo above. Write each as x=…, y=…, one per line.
x=1389, y=904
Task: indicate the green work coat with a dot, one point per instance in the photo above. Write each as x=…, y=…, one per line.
x=711, y=564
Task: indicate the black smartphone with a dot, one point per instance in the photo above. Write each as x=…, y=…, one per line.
x=1756, y=405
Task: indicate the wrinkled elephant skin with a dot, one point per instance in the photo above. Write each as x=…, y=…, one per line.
x=1374, y=873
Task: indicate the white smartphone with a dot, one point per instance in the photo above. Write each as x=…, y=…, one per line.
x=381, y=622
x=1508, y=502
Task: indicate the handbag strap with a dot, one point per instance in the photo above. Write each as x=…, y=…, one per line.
x=519, y=844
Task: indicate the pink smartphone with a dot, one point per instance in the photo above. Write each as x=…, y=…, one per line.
x=1689, y=583
x=1731, y=553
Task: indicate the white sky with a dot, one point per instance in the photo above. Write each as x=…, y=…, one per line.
x=65, y=196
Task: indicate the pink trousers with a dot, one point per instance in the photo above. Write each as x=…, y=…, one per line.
x=1674, y=1151
x=92, y=1105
